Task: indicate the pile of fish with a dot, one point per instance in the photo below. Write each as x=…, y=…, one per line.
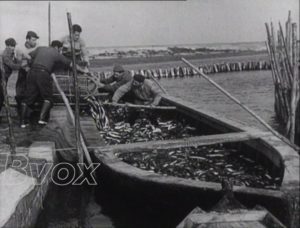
x=143, y=129
x=119, y=125
x=205, y=163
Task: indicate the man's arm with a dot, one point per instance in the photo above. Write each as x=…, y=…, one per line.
x=8, y=61
x=121, y=91
x=126, y=78
x=62, y=59
x=156, y=93
x=108, y=80
x=85, y=52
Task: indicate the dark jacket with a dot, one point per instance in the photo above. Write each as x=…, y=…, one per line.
x=9, y=61
x=113, y=83
x=46, y=58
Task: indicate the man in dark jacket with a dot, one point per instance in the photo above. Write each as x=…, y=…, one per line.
x=39, y=81
x=119, y=78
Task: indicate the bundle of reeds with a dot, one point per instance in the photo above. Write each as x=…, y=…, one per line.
x=284, y=55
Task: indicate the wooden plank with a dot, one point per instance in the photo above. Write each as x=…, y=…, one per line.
x=240, y=216
x=185, y=142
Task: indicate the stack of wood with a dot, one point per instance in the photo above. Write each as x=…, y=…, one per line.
x=284, y=56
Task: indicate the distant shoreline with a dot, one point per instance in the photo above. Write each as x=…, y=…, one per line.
x=104, y=63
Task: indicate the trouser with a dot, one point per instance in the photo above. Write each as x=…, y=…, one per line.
x=21, y=86
x=39, y=86
x=1, y=90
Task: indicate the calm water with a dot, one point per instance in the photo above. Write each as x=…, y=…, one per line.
x=66, y=206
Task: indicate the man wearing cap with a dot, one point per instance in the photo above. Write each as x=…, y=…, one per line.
x=22, y=54
x=10, y=63
x=144, y=91
x=119, y=78
x=81, y=51
x=39, y=81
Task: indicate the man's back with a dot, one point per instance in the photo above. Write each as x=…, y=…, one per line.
x=46, y=57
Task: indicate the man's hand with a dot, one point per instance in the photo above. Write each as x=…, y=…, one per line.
x=82, y=70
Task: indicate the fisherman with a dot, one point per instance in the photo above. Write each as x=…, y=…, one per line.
x=119, y=78
x=10, y=63
x=81, y=52
x=39, y=82
x=22, y=55
x=144, y=91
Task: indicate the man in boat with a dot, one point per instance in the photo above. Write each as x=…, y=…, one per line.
x=119, y=78
x=39, y=81
x=143, y=90
x=22, y=55
x=10, y=63
x=81, y=52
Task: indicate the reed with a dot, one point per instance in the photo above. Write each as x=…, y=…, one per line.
x=284, y=58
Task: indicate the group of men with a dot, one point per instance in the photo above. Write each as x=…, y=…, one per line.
x=36, y=63
x=136, y=89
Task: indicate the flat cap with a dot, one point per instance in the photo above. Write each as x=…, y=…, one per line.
x=10, y=42
x=32, y=34
x=138, y=78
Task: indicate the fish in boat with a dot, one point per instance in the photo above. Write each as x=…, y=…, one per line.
x=174, y=167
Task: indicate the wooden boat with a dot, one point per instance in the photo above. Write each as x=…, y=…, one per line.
x=129, y=181
x=230, y=213
x=263, y=146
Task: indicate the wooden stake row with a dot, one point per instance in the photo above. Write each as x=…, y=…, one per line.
x=175, y=72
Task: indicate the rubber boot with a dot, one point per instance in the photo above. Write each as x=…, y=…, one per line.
x=23, y=116
x=45, y=112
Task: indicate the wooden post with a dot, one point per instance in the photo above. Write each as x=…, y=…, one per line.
x=49, y=24
x=71, y=114
x=75, y=82
x=12, y=141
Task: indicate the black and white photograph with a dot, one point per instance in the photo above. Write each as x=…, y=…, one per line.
x=150, y=114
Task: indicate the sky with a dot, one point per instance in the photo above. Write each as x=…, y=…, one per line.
x=133, y=23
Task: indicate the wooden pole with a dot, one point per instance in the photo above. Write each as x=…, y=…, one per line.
x=49, y=24
x=157, y=83
x=75, y=83
x=69, y=110
x=141, y=106
x=241, y=105
x=12, y=141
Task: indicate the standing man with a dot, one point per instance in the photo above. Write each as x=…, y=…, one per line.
x=119, y=78
x=81, y=51
x=10, y=63
x=22, y=55
x=39, y=81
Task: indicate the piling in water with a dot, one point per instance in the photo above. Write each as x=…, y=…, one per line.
x=284, y=58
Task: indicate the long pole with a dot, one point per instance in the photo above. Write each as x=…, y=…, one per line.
x=75, y=82
x=69, y=109
x=157, y=83
x=49, y=23
x=241, y=105
x=8, y=113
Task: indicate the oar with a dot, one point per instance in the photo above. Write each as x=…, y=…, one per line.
x=241, y=105
x=141, y=106
x=75, y=84
x=157, y=83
